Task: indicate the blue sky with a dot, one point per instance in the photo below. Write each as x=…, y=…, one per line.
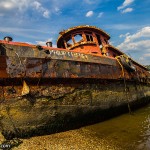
x=36, y=21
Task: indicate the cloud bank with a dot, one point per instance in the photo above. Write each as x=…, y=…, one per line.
x=137, y=42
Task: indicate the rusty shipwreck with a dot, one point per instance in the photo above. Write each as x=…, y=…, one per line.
x=45, y=89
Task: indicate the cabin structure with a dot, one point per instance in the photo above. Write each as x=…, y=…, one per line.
x=87, y=39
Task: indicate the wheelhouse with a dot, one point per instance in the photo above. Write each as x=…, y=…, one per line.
x=87, y=39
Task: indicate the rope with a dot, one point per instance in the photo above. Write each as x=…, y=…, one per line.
x=117, y=58
x=125, y=85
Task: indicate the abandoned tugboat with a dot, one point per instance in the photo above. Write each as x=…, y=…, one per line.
x=45, y=90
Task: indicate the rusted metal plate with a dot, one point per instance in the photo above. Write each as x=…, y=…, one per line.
x=16, y=67
x=34, y=68
x=46, y=68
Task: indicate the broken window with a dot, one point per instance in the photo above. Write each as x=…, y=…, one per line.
x=78, y=38
x=69, y=42
x=89, y=36
x=106, y=41
x=99, y=41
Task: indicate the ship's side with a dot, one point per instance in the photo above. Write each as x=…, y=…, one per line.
x=46, y=90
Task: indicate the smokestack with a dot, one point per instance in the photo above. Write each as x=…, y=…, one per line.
x=49, y=44
x=8, y=39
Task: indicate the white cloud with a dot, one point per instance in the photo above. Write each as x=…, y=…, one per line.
x=89, y=14
x=135, y=45
x=144, y=59
x=14, y=4
x=135, y=38
x=88, y=1
x=57, y=10
x=100, y=14
x=18, y=6
x=46, y=14
x=43, y=43
x=127, y=10
x=7, y=5
x=144, y=32
x=111, y=42
x=147, y=55
x=125, y=4
x=92, y=1
x=138, y=42
x=123, y=8
x=122, y=35
x=38, y=6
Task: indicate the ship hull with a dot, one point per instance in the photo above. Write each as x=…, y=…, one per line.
x=47, y=91
x=55, y=105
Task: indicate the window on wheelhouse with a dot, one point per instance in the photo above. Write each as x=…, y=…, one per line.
x=89, y=36
x=106, y=41
x=78, y=38
x=69, y=42
x=99, y=41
